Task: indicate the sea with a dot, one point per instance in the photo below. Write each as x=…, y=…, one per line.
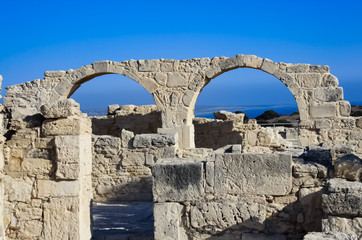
x=207, y=111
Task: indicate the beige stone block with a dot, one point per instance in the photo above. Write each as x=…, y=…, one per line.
x=309, y=80
x=177, y=80
x=133, y=159
x=18, y=189
x=66, y=126
x=49, y=188
x=328, y=94
x=149, y=84
x=228, y=63
x=252, y=61
x=269, y=66
x=35, y=166
x=60, y=109
x=43, y=143
x=345, y=225
x=359, y=122
x=188, y=97
x=344, y=108
x=151, y=65
x=323, y=110
x=297, y=68
x=330, y=81
x=319, y=69
x=31, y=229
x=161, y=78
x=166, y=67
x=168, y=221
x=54, y=74
x=253, y=174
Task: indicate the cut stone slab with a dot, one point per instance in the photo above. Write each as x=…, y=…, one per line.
x=177, y=180
x=345, y=225
x=329, y=236
x=253, y=174
x=344, y=198
x=60, y=109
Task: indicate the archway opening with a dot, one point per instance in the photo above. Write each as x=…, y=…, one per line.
x=247, y=91
x=121, y=174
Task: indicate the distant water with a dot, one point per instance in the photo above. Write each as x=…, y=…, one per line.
x=207, y=111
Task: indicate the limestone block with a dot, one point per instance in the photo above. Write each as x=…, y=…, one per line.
x=107, y=145
x=54, y=73
x=166, y=67
x=151, y=65
x=309, y=80
x=43, y=143
x=228, y=63
x=112, y=109
x=229, y=116
x=329, y=236
x=209, y=176
x=343, y=199
x=323, y=123
x=161, y=78
x=297, y=68
x=330, y=81
x=18, y=189
x=126, y=138
x=251, y=61
x=211, y=215
x=62, y=108
x=359, y=122
x=168, y=221
x=356, y=135
x=37, y=166
x=156, y=140
x=323, y=110
x=62, y=220
x=73, y=156
x=133, y=158
x=328, y=94
x=149, y=84
x=253, y=174
x=188, y=97
x=31, y=229
x=319, y=69
x=177, y=180
x=269, y=66
x=262, y=236
x=348, y=167
x=66, y=126
x=344, y=108
x=49, y=188
x=177, y=80
x=345, y=225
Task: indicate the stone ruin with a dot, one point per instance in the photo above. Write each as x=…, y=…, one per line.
x=208, y=179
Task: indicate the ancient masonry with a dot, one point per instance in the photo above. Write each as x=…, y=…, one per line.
x=208, y=179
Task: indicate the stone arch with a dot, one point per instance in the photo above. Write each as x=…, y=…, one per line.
x=73, y=79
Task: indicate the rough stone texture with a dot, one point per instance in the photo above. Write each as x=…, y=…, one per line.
x=329, y=236
x=348, y=167
x=324, y=110
x=66, y=126
x=343, y=198
x=177, y=180
x=218, y=216
x=344, y=225
x=62, y=108
x=168, y=221
x=268, y=174
x=157, y=140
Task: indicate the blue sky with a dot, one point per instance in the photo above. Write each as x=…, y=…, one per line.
x=37, y=36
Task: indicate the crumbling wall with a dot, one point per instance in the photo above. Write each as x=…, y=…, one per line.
x=266, y=196
x=47, y=178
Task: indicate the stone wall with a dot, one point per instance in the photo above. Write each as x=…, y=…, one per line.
x=233, y=195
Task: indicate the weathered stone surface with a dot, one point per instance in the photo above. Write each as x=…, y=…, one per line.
x=348, y=167
x=60, y=109
x=329, y=94
x=229, y=116
x=309, y=80
x=252, y=61
x=319, y=68
x=54, y=73
x=344, y=225
x=66, y=126
x=18, y=189
x=269, y=66
x=330, y=80
x=73, y=156
x=211, y=215
x=343, y=198
x=112, y=109
x=107, y=145
x=156, y=140
x=168, y=221
x=252, y=174
x=359, y=122
x=126, y=138
x=345, y=108
x=323, y=110
x=49, y=188
x=148, y=65
x=177, y=80
x=329, y=236
x=297, y=68
x=177, y=180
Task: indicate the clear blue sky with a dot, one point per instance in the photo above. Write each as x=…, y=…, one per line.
x=37, y=36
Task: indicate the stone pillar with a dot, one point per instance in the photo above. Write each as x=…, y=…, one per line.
x=67, y=212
